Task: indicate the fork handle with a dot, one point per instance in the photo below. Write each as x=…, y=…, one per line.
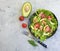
x=44, y=45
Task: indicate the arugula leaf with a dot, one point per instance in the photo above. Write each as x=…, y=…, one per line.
x=32, y=43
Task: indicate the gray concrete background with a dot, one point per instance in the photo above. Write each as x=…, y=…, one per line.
x=11, y=37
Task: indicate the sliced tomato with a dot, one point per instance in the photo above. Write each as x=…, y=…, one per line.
x=24, y=25
x=49, y=17
x=21, y=18
x=42, y=15
x=37, y=25
x=47, y=29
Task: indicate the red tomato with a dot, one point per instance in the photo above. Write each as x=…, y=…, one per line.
x=47, y=29
x=24, y=25
x=37, y=25
x=49, y=17
x=21, y=18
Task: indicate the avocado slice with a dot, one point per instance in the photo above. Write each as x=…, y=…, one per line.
x=26, y=9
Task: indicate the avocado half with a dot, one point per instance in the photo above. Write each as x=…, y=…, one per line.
x=26, y=9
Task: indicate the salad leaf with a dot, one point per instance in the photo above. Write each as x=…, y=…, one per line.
x=43, y=37
x=43, y=20
x=32, y=43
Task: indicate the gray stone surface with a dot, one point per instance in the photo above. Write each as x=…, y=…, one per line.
x=11, y=37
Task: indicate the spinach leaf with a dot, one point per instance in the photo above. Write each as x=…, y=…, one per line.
x=32, y=43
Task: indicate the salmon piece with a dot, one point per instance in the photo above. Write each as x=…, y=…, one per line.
x=49, y=18
x=47, y=29
x=42, y=15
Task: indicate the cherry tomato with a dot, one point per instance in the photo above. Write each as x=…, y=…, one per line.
x=24, y=25
x=21, y=18
x=49, y=17
x=37, y=25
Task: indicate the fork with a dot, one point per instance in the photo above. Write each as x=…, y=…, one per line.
x=31, y=36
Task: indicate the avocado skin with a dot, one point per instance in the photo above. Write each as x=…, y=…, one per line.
x=25, y=12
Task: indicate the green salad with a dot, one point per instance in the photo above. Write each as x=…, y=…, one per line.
x=43, y=24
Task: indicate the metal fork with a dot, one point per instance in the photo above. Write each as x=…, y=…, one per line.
x=31, y=36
